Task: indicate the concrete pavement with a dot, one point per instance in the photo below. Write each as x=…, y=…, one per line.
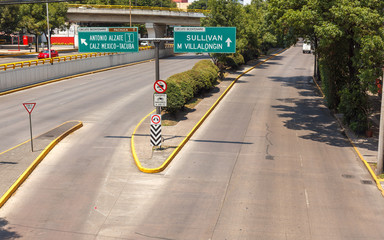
x=17, y=160
x=17, y=163
x=152, y=160
x=120, y=213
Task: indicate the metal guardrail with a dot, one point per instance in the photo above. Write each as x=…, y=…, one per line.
x=138, y=7
x=6, y=66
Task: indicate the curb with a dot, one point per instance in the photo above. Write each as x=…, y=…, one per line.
x=194, y=129
x=366, y=164
x=36, y=162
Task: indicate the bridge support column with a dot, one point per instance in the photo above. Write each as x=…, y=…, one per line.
x=76, y=36
x=156, y=31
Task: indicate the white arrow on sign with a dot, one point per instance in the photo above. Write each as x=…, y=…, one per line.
x=83, y=41
x=228, y=42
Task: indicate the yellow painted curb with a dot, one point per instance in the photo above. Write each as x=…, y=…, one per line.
x=72, y=76
x=373, y=175
x=36, y=162
x=181, y=145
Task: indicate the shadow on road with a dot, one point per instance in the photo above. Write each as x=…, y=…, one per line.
x=7, y=233
x=308, y=113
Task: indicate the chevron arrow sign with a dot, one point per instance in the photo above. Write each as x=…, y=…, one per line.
x=156, y=135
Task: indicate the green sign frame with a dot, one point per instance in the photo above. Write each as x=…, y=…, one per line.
x=205, y=39
x=108, y=39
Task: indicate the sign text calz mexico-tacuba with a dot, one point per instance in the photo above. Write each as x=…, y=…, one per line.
x=108, y=39
x=205, y=39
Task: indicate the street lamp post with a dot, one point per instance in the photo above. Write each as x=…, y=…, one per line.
x=130, y=13
x=48, y=37
x=379, y=168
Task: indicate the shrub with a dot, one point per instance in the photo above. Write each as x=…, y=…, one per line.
x=182, y=87
x=201, y=78
x=175, y=100
x=234, y=61
x=354, y=106
x=207, y=68
x=185, y=83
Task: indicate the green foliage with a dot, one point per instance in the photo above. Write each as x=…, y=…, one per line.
x=9, y=18
x=199, y=4
x=207, y=68
x=175, y=100
x=182, y=87
x=349, y=43
x=234, y=61
x=354, y=105
x=34, y=17
x=185, y=81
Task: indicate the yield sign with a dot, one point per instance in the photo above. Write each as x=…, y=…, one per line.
x=29, y=107
x=160, y=86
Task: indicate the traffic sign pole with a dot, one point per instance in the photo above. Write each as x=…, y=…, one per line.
x=157, y=68
x=29, y=107
x=30, y=129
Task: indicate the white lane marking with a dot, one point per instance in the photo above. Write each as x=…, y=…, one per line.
x=306, y=197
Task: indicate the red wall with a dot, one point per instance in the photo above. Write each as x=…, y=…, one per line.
x=62, y=40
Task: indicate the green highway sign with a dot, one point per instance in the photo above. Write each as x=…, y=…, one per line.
x=108, y=39
x=205, y=39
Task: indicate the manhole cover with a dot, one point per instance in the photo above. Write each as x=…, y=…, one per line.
x=368, y=182
x=347, y=176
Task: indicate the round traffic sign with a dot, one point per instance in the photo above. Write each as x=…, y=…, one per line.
x=155, y=119
x=160, y=86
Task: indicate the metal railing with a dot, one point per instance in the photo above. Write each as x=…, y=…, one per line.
x=14, y=65
x=138, y=7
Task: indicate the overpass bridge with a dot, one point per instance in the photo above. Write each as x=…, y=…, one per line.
x=155, y=18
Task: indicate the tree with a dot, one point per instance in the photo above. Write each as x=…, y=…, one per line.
x=199, y=4
x=349, y=40
x=34, y=17
x=9, y=18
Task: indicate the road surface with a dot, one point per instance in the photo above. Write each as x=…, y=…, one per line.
x=269, y=163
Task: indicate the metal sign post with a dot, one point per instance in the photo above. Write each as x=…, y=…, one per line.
x=156, y=129
x=29, y=107
x=157, y=68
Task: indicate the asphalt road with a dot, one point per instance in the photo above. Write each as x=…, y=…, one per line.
x=269, y=163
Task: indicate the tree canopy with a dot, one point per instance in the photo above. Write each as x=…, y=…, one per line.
x=349, y=41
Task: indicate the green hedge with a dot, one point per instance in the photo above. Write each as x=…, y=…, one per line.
x=182, y=87
x=234, y=61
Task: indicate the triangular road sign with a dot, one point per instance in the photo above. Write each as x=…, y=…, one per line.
x=29, y=107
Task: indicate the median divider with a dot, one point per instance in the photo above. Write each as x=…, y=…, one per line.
x=21, y=154
x=164, y=165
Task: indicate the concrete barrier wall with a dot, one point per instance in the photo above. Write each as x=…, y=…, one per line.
x=21, y=77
